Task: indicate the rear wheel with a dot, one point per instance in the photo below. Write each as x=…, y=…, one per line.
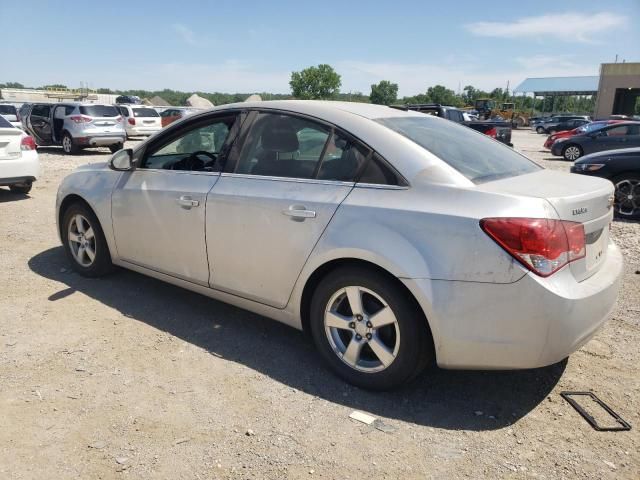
x=21, y=187
x=116, y=147
x=627, y=196
x=68, y=145
x=572, y=152
x=84, y=241
x=368, y=329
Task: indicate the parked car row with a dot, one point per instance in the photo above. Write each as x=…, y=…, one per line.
x=559, y=123
x=78, y=125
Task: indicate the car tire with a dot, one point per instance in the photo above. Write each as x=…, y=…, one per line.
x=572, y=152
x=540, y=130
x=68, y=145
x=23, y=188
x=116, y=147
x=371, y=358
x=627, y=185
x=83, y=238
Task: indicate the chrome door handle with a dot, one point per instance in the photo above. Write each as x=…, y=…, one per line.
x=187, y=202
x=299, y=212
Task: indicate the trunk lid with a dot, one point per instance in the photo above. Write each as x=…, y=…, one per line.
x=146, y=117
x=10, y=139
x=575, y=198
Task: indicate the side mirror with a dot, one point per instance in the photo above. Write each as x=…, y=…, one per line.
x=122, y=161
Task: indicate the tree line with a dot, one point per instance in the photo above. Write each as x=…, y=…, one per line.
x=322, y=82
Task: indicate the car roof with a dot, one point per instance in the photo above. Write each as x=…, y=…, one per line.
x=322, y=108
x=358, y=119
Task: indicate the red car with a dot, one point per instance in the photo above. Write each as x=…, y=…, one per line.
x=576, y=131
x=172, y=114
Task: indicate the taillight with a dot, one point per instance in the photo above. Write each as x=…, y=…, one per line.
x=542, y=245
x=27, y=143
x=80, y=119
x=132, y=121
x=118, y=119
x=492, y=132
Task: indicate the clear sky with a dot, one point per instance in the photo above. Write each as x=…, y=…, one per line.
x=253, y=46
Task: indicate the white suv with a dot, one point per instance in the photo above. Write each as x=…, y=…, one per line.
x=19, y=164
x=140, y=120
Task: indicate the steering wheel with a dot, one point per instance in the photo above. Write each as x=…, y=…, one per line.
x=212, y=157
x=193, y=163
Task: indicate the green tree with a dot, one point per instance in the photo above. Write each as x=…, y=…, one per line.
x=11, y=85
x=315, y=83
x=53, y=85
x=444, y=96
x=384, y=93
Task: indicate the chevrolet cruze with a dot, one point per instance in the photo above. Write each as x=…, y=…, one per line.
x=396, y=239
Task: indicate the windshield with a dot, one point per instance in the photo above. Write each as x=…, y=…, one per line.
x=99, y=111
x=144, y=112
x=474, y=155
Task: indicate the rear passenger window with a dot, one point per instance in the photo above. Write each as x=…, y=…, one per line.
x=378, y=172
x=40, y=111
x=283, y=146
x=342, y=160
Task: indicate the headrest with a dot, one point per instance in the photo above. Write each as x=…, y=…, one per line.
x=279, y=135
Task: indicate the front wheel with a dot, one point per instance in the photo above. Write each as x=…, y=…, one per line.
x=572, y=152
x=627, y=196
x=84, y=241
x=369, y=330
x=540, y=129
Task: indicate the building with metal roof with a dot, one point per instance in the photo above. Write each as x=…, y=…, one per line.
x=559, y=86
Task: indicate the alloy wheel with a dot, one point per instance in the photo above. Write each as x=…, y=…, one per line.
x=82, y=240
x=362, y=329
x=627, y=197
x=66, y=143
x=572, y=153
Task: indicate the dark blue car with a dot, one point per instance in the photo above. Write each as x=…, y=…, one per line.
x=611, y=137
x=622, y=167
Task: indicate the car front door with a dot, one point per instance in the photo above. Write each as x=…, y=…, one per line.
x=158, y=210
x=286, y=178
x=40, y=124
x=614, y=137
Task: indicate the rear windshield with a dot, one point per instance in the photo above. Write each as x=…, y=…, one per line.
x=7, y=109
x=4, y=123
x=99, y=111
x=144, y=112
x=476, y=156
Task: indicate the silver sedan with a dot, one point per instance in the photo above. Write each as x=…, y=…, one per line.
x=396, y=239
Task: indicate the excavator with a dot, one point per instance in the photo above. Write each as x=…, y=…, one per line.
x=486, y=108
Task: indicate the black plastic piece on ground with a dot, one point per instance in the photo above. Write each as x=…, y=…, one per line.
x=624, y=426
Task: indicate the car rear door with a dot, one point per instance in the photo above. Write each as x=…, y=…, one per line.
x=39, y=123
x=287, y=177
x=158, y=210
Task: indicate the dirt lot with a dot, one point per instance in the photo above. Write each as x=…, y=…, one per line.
x=127, y=377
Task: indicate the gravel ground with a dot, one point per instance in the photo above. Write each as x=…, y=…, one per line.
x=127, y=377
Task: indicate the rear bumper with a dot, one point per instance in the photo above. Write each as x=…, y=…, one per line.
x=133, y=131
x=99, y=141
x=21, y=170
x=530, y=323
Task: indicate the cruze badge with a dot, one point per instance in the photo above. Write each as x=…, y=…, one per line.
x=579, y=211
